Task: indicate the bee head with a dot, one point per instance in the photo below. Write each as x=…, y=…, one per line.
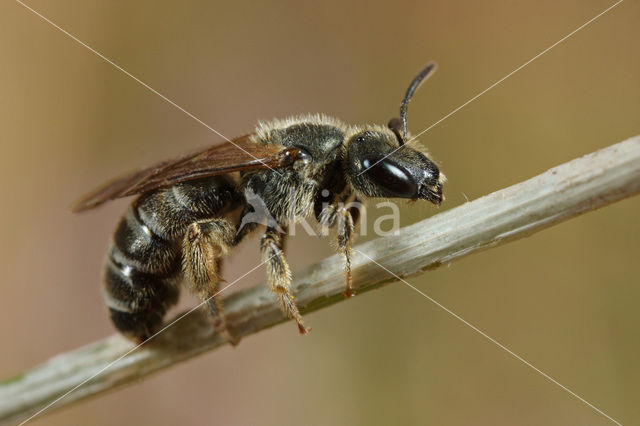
x=377, y=168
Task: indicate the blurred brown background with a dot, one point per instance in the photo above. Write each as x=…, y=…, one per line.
x=565, y=299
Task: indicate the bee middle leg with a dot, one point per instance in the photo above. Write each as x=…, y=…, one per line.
x=279, y=274
x=205, y=243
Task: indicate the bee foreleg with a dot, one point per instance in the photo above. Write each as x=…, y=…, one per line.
x=345, y=238
x=205, y=243
x=279, y=274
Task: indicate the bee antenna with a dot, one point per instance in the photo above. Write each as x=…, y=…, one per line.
x=415, y=83
x=396, y=126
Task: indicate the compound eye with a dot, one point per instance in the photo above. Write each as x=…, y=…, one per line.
x=391, y=178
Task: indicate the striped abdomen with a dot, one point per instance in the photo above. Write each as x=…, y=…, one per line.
x=143, y=265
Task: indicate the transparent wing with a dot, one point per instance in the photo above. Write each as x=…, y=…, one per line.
x=242, y=154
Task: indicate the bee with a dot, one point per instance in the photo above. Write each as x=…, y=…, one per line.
x=192, y=210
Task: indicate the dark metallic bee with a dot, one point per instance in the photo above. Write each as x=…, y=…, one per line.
x=192, y=210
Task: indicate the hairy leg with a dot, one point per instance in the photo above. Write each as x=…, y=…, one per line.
x=205, y=243
x=345, y=239
x=345, y=218
x=279, y=274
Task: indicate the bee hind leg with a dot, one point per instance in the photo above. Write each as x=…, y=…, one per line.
x=205, y=243
x=279, y=274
